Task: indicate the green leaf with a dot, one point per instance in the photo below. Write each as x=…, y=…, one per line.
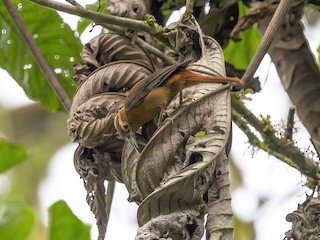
x=64, y=225
x=83, y=23
x=98, y=6
x=239, y=54
x=56, y=41
x=16, y=220
x=11, y=155
x=200, y=134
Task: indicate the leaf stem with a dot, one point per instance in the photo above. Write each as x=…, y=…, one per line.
x=45, y=68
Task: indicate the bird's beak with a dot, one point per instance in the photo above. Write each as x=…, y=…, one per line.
x=133, y=141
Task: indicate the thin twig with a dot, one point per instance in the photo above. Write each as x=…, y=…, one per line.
x=74, y=3
x=274, y=26
x=143, y=44
x=148, y=26
x=45, y=68
x=95, y=16
x=316, y=145
x=290, y=123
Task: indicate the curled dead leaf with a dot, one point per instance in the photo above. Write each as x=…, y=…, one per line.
x=134, y=9
x=110, y=47
x=112, y=77
x=164, y=170
x=107, y=48
x=91, y=124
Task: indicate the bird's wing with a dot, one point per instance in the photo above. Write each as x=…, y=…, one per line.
x=143, y=87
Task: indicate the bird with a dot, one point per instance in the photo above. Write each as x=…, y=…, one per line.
x=149, y=97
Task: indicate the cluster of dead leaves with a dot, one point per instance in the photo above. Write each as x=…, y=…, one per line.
x=173, y=173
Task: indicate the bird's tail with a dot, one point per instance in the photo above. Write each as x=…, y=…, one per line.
x=192, y=78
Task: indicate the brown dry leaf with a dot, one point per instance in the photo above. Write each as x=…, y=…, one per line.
x=111, y=47
x=134, y=9
x=178, y=166
x=107, y=48
x=220, y=20
x=170, y=182
x=211, y=61
x=94, y=172
x=258, y=10
x=203, y=114
x=169, y=179
x=305, y=220
x=112, y=77
x=129, y=162
x=92, y=123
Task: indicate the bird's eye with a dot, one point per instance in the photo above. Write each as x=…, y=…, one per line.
x=125, y=127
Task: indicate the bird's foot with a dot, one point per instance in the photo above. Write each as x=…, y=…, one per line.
x=186, y=100
x=169, y=119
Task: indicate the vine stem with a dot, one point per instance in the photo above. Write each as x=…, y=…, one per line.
x=274, y=26
x=44, y=66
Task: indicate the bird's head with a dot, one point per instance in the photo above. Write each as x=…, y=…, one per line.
x=123, y=126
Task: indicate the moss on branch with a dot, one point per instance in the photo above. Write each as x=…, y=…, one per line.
x=283, y=149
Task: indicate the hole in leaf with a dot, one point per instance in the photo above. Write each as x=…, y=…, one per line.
x=205, y=197
x=191, y=228
x=195, y=157
x=182, y=134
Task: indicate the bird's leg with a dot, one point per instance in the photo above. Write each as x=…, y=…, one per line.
x=181, y=101
x=160, y=117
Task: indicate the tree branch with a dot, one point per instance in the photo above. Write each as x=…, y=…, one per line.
x=274, y=26
x=45, y=68
x=282, y=149
x=290, y=123
x=149, y=25
x=74, y=3
x=189, y=6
